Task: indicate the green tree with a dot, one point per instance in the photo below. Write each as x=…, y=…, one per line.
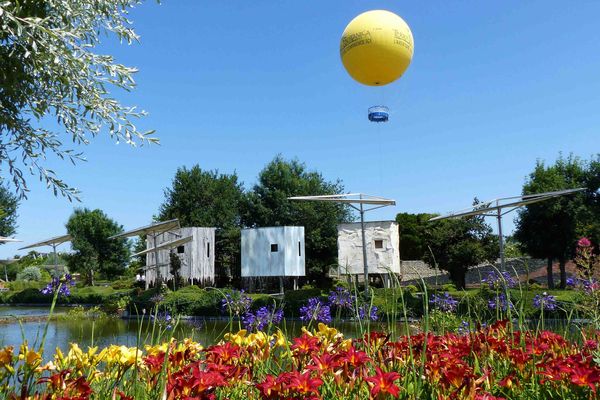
x=268, y=205
x=93, y=250
x=458, y=244
x=550, y=229
x=8, y=212
x=208, y=198
x=53, y=86
x=412, y=235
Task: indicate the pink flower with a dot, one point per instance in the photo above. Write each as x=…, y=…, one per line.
x=584, y=242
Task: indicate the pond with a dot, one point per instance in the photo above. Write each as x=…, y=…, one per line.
x=106, y=331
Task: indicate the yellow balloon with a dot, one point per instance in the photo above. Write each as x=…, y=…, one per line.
x=376, y=47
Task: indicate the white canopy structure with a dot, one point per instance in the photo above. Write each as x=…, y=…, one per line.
x=8, y=240
x=54, y=242
x=358, y=201
x=165, y=246
x=502, y=206
x=152, y=231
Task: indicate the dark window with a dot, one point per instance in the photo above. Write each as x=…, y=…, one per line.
x=274, y=248
x=180, y=249
x=299, y=250
x=208, y=250
x=379, y=244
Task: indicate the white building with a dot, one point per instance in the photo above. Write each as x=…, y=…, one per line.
x=197, y=255
x=383, y=248
x=273, y=251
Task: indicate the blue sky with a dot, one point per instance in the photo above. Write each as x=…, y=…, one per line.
x=493, y=86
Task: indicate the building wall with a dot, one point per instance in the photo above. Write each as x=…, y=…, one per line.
x=197, y=259
x=259, y=260
x=380, y=260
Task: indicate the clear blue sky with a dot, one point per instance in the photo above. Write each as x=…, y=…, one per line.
x=493, y=86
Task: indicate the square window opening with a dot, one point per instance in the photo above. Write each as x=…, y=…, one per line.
x=274, y=248
x=379, y=244
x=180, y=249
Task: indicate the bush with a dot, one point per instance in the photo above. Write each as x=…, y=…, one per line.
x=124, y=283
x=30, y=274
x=192, y=300
x=294, y=299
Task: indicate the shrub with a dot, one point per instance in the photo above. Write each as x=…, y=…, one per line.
x=294, y=299
x=30, y=274
x=192, y=300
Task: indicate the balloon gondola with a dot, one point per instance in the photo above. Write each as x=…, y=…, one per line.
x=379, y=114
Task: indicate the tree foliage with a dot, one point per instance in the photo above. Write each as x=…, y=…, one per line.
x=8, y=212
x=268, y=205
x=54, y=86
x=550, y=229
x=412, y=235
x=458, y=244
x=208, y=198
x=93, y=250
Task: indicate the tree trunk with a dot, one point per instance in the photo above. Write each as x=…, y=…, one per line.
x=91, y=277
x=459, y=278
x=563, y=273
x=550, y=274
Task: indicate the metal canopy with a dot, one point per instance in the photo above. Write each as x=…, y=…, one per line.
x=8, y=240
x=351, y=199
x=154, y=228
x=495, y=208
x=485, y=208
x=166, y=245
x=55, y=241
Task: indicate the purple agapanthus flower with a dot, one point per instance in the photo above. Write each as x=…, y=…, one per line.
x=500, y=302
x=341, y=298
x=236, y=303
x=262, y=318
x=545, y=301
x=464, y=328
x=497, y=280
x=63, y=286
x=371, y=313
x=444, y=302
x=163, y=318
x=315, y=310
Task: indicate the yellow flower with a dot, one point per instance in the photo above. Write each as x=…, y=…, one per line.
x=280, y=339
x=6, y=355
x=31, y=357
x=237, y=338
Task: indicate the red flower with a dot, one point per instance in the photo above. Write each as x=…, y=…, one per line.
x=355, y=358
x=305, y=344
x=304, y=383
x=383, y=382
x=269, y=387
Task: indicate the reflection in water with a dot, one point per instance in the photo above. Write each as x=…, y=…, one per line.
x=104, y=332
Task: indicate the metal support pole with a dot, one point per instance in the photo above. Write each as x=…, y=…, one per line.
x=55, y=259
x=364, y=248
x=158, y=280
x=500, y=240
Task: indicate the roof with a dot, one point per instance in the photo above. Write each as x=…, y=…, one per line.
x=166, y=245
x=55, y=241
x=156, y=227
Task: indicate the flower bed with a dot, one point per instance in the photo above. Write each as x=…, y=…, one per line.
x=488, y=363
